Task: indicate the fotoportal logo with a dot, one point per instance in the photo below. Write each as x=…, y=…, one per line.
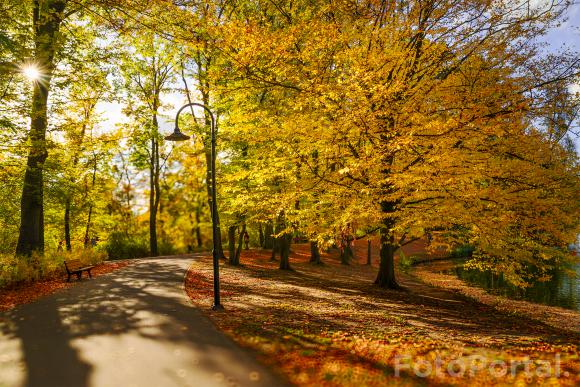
x=471, y=365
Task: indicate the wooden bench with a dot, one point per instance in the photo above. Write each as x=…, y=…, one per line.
x=74, y=266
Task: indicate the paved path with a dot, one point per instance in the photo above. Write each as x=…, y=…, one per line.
x=134, y=327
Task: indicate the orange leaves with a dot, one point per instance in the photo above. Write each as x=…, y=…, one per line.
x=198, y=286
x=324, y=325
x=26, y=293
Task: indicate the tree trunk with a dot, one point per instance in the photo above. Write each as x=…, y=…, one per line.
x=204, y=88
x=153, y=196
x=368, y=252
x=386, y=275
x=219, y=249
x=240, y=243
x=232, y=244
x=67, y=204
x=67, y=224
x=268, y=238
x=282, y=243
x=197, y=227
x=346, y=254
x=88, y=227
x=275, y=248
x=285, y=241
x=47, y=17
x=157, y=182
x=261, y=235
x=315, y=253
x=90, y=214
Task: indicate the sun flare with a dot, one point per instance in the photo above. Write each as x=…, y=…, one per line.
x=31, y=72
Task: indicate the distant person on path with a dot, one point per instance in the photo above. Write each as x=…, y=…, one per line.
x=59, y=248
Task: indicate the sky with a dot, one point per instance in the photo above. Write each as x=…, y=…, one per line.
x=569, y=32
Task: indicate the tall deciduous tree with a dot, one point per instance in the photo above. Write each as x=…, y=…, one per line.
x=47, y=17
x=420, y=112
x=149, y=71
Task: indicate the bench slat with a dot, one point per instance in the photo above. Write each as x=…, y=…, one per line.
x=75, y=265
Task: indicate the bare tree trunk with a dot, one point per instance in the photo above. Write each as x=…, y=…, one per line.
x=232, y=244
x=368, y=252
x=346, y=253
x=220, y=252
x=157, y=183
x=261, y=234
x=314, y=253
x=204, y=89
x=197, y=227
x=285, y=242
x=386, y=275
x=76, y=157
x=277, y=242
x=88, y=226
x=67, y=224
x=268, y=238
x=153, y=198
x=47, y=17
x=240, y=243
x=275, y=248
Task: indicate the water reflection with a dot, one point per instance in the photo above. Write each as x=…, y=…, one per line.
x=563, y=289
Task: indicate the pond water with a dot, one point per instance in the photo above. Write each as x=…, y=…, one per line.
x=562, y=290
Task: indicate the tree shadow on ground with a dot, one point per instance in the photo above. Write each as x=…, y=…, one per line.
x=330, y=310
x=435, y=312
x=142, y=301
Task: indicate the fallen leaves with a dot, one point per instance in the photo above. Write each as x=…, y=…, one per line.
x=327, y=325
x=557, y=317
x=26, y=293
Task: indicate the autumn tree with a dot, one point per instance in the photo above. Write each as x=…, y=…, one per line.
x=47, y=17
x=420, y=114
x=149, y=72
x=41, y=49
x=185, y=220
x=75, y=107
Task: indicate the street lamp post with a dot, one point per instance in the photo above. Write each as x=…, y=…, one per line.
x=177, y=135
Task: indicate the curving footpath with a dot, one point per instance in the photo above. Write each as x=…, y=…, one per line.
x=134, y=327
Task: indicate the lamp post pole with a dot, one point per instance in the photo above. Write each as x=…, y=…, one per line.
x=177, y=135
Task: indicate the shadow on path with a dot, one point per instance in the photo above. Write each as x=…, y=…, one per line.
x=134, y=326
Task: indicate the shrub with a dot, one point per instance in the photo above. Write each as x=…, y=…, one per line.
x=167, y=248
x=17, y=270
x=405, y=263
x=463, y=251
x=121, y=246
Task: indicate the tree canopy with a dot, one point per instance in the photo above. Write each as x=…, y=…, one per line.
x=337, y=120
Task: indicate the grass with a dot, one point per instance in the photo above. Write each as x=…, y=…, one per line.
x=328, y=325
x=16, y=271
